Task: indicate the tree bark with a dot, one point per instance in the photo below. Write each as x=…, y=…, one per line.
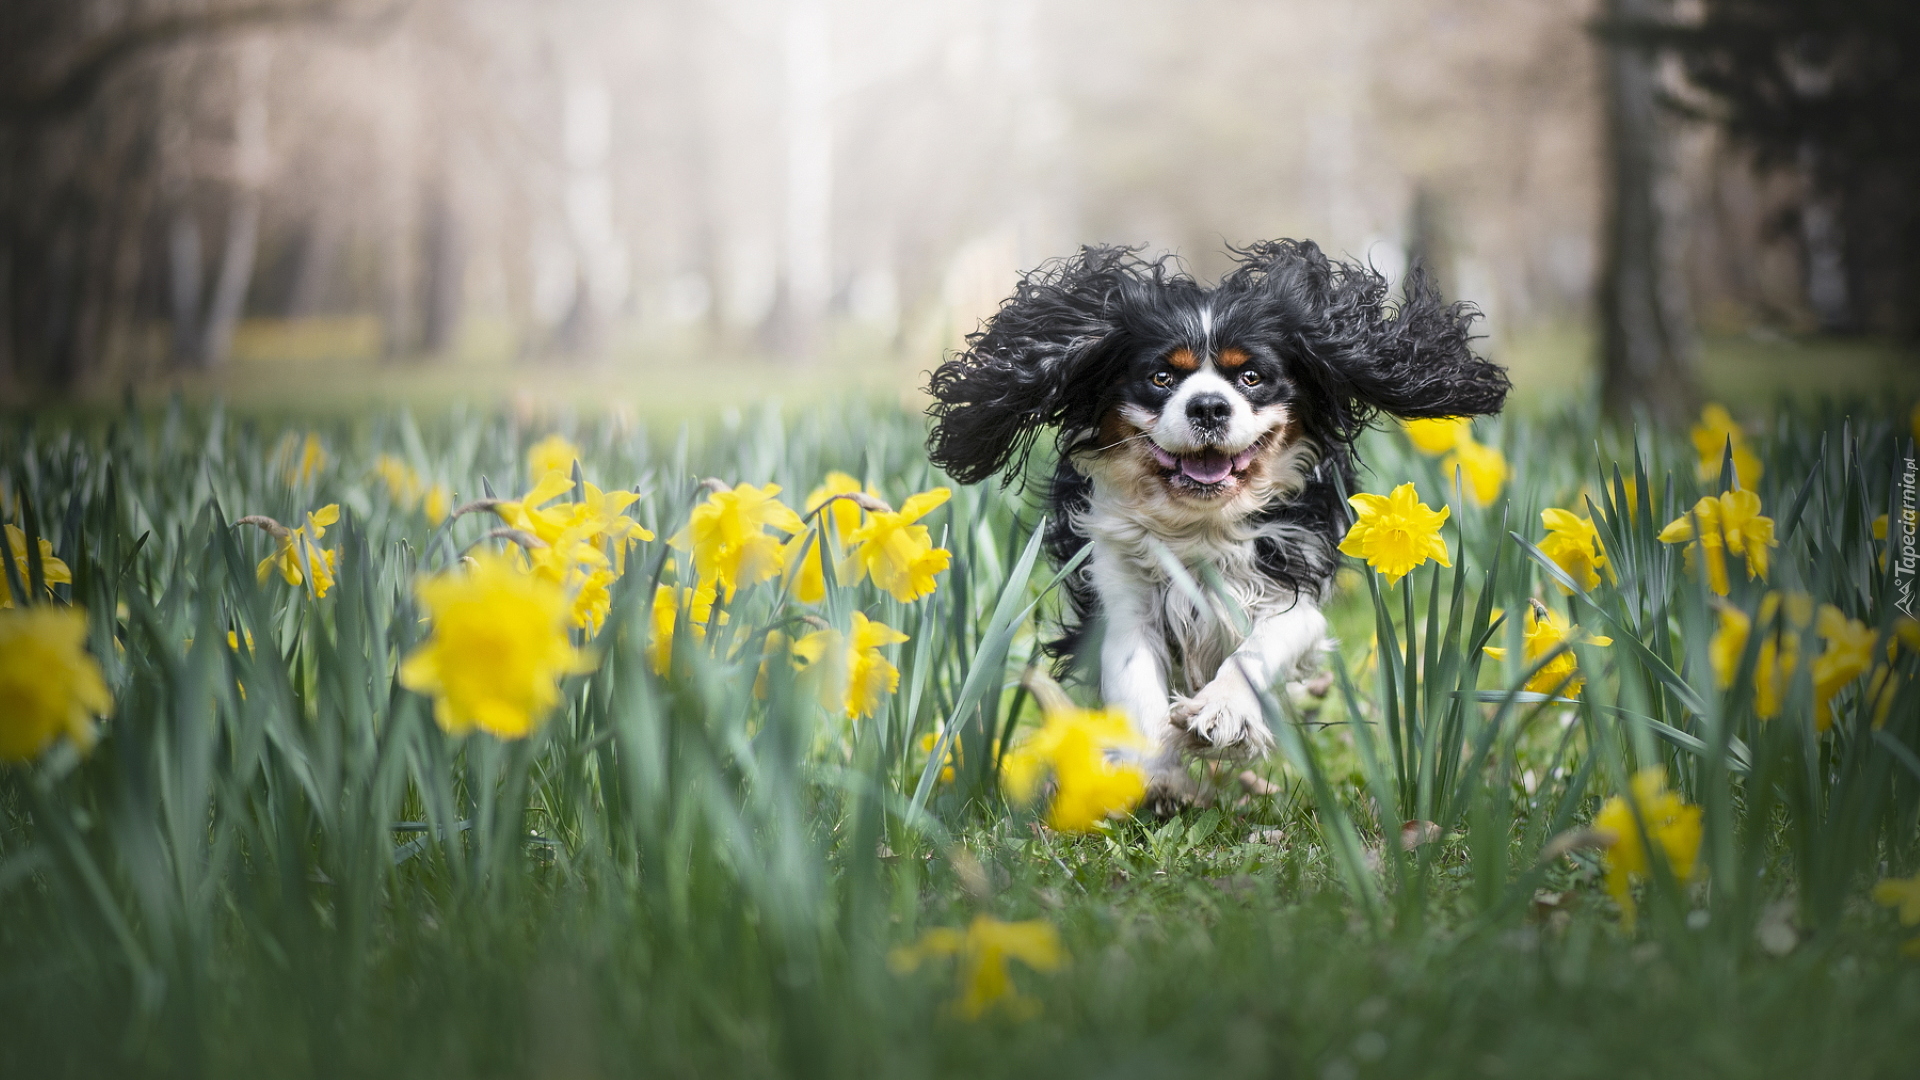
x=1646, y=337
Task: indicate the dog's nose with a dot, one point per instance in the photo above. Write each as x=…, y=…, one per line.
x=1209, y=410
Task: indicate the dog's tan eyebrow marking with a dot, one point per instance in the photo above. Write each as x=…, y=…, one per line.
x=1231, y=357
x=1183, y=359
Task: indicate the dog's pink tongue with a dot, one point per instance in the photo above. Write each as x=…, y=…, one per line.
x=1209, y=468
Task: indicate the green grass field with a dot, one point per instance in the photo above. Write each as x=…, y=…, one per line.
x=276, y=860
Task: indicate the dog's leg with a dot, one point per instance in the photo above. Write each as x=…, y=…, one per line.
x=1225, y=717
x=1133, y=676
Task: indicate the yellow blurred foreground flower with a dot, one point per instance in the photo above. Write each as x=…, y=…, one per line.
x=1094, y=757
x=854, y=675
x=1396, y=533
x=1543, y=633
x=300, y=558
x=898, y=554
x=984, y=948
x=1574, y=545
x=1730, y=523
x=49, y=685
x=728, y=536
x=1711, y=437
x=1902, y=894
x=1670, y=822
x=498, y=650
x=52, y=570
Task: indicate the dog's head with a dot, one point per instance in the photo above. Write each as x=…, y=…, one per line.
x=1196, y=396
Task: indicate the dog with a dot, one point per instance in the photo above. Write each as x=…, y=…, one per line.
x=1204, y=430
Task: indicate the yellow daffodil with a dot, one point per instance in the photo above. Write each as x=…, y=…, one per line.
x=603, y=515
x=1710, y=438
x=830, y=512
x=844, y=514
x=1779, y=653
x=498, y=649
x=660, y=630
x=52, y=570
x=1483, y=467
x=303, y=458
x=597, y=517
x=300, y=558
x=854, y=675
x=1670, y=821
x=898, y=554
x=1903, y=894
x=1396, y=533
x=1436, y=437
x=1884, y=687
x=1732, y=523
x=402, y=481
x=1543, y=633
x=931, y=741
x=408, y=491
x=1848, y=655
x=50, y=685
x=1574, y=545
x=728, y=536
x=806, y=564
x=436, y=503
x=984, y=949
x=668, y=603
x=530, y=513
x=551, y=454
x=1094, y=757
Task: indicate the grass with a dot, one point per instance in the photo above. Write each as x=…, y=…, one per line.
x=274, y=862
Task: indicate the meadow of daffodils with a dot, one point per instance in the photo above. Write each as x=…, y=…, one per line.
x=482, y=744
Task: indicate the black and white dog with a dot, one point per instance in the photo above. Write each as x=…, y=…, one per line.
x=1205, y=425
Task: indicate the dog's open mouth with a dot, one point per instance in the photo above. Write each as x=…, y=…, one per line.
x=1206, y=468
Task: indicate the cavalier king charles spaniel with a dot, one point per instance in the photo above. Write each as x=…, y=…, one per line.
x=1201, y=433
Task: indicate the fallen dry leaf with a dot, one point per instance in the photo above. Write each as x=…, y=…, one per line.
x=1415, y=833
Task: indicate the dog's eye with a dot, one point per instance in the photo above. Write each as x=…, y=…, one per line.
x=1163, y=379
x=1250, y=378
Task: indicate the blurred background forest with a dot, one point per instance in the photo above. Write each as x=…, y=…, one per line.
x=323, y=199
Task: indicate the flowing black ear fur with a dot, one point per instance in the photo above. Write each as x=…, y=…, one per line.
x=1050, y=357
x=1368, y=355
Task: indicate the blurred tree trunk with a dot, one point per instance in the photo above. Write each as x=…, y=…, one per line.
x=443, y=263
x=807, y=270
x=1646, y=337
x=250, y=163
x=183, y=285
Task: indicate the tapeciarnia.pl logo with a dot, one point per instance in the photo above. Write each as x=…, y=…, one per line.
x=1905, y=560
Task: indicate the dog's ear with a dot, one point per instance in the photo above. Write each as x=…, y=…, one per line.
x=1044, y=360
x=1422, y=363
x=1412, y=360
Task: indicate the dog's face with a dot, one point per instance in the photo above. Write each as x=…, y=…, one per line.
x=1202, y=422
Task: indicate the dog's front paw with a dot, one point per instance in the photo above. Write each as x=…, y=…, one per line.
x=1223, y=720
